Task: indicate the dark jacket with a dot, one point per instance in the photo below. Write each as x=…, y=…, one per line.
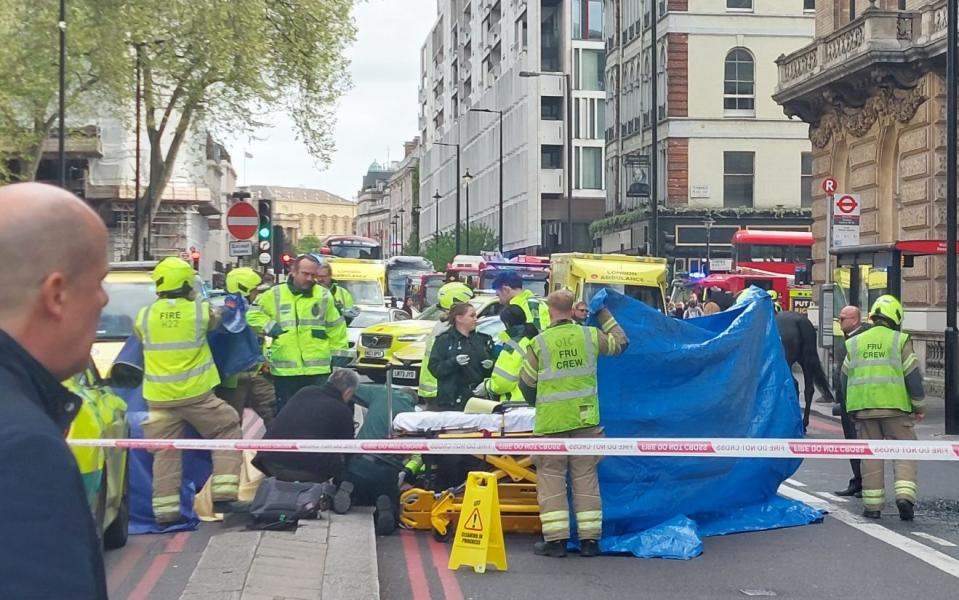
x=48, y=541
x=840, y=357
x=456, y=382
x=313, y=413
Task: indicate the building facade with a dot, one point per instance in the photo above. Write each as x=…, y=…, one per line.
x=871, y=87
x=404, y=197
x=305, y=212
x=509, y=59
x=373, y=205
x=725, y=150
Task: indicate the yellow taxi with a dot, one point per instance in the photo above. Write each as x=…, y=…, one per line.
x=129, y=288
x=403, y=343
x=103, y=414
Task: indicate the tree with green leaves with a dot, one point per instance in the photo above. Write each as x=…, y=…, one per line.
x=442, y=248
x=96, y=73
x=224, y=64
x=308, y=243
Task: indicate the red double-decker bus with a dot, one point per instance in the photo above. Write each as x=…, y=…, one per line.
x=773, y=251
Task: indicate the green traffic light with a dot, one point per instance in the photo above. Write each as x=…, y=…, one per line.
x=264, y=233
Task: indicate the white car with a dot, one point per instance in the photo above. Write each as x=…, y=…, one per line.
x=372, y=315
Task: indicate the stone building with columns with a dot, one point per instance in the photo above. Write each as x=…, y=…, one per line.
x=871, y=87
x=304, y=211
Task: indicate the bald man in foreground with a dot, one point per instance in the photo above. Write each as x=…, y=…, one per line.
x=50, y=304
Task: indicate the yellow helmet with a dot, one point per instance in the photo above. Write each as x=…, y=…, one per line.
x=172, y=273
x=889, y=307
x=242, y=281
x=452, y=293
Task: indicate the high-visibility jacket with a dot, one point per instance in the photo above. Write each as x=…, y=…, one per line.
x=566, y=397
x=342, y=297
x=177, y=362
x=875, y=368
x=314, y=331
x=535, y=309
x=428, y=385
x=504, y=382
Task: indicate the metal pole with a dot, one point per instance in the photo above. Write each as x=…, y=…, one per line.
x=501, y=182
x=654, y=145
x=569, y=160
x=952, y=338
x=467, y=217
x=136, y=167
x=61, y=142
x=436, y=210
x=457, y=182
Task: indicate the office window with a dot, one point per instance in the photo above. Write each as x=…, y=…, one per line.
x=806, y=180
x=591, y=169
x=551, y=157
x=551, y=16
x=739, y=4
x=591, y=69
x=739, y=93
x=551, y=108
x=738, y=176
x=809, y=5
x=587, y=19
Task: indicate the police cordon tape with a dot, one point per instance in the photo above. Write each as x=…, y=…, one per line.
x=687, y=447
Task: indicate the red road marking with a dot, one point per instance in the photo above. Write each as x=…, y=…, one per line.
x=134, y=551
x=441, y=561
x=414, y=566
x=159, y=566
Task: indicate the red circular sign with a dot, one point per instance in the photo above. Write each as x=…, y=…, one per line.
x=242, y=220
x=829, y=185
x=847, y=204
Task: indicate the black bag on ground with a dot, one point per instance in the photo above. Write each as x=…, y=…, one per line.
x=281, y=504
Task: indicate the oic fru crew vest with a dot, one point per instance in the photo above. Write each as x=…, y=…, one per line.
x=566, y=396
x=177, y=360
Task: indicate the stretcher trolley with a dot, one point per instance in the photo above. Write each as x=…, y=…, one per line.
x=437, y=510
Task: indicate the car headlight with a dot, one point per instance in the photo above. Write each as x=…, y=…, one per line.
x=412, y=338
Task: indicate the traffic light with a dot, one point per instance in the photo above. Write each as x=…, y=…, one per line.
x=287, y=260
x=264, y=233
x=668, y=245
x=195, y=256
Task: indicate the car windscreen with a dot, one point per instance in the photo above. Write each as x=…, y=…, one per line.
x=650, y=295
x=126, y=300
x=396, y=279
x=364, y=292
x=369, y=317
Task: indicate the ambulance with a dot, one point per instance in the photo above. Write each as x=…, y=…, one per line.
x=639, y=277
x=364, y=279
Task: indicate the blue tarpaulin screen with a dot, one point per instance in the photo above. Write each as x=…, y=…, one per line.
x=723, y=375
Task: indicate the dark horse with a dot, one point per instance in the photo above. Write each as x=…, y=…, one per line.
x=799, y=343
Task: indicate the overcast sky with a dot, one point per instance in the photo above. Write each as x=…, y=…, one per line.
x=373, y=119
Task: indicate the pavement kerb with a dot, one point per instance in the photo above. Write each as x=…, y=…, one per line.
x=351, y=571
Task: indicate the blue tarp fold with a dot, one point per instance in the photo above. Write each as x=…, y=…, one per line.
x=719, y=376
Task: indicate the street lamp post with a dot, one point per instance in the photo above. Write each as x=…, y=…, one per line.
x=569, y=147
x=61, y=134
x=402, y=211
x=708, y=223
x=436, y=211
x=457, y=146
x=951, y=375
x=491, y=111
x=467, y=178
x=393, y=245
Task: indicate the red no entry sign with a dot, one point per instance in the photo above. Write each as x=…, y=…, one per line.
x=847, y=205
x=242, y=220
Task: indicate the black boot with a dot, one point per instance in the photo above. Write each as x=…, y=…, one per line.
x=588, y=548
x=231, y=506
x=906, y=510
x=852, y=490
x=556, y=549
x=384, y=519
x=872, y=514
x=342, y=498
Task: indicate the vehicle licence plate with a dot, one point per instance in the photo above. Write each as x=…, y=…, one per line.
x=404, y=374
x=375, y=353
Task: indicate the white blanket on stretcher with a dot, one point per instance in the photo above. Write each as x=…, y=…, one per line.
x=518, y=420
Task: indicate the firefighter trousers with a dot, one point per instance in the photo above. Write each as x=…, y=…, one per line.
x=873, y=486
x=213, y=419
x=551, y=491
x=253, y=390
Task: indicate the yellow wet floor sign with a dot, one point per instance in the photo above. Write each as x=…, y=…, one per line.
x=479, y=532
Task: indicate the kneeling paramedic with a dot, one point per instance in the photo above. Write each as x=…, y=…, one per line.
x=252, y=389
x=178, y=380
x=559, y=378
x=884, y=394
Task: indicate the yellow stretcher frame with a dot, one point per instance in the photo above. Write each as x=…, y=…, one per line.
x=438, y=511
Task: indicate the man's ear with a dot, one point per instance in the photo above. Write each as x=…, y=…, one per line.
x=53, y=295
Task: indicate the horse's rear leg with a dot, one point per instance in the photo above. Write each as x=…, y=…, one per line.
x=808, y=393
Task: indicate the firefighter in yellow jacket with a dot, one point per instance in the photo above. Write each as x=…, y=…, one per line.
x=178, y=380
x=306, y=328
x=884, y=395
x=446, y=297
x=559, y=378
x=503, y=384
x=252, y=389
